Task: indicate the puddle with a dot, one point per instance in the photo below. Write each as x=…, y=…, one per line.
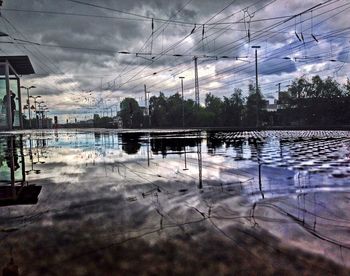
x=66, y=187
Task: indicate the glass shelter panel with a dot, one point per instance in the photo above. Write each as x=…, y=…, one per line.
x=3, y=107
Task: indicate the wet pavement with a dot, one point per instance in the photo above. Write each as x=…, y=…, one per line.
x=84, y=202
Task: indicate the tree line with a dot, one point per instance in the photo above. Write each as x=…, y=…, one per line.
x=314, y=102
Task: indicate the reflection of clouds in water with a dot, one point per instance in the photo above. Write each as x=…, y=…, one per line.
x=247, y=152
x=297, y=151
x=90, y=180
x=314, y=222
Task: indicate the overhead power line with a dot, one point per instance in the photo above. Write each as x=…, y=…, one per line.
x=210, y=32
x=166, y=20
x=109, y=9
x=176, y=22
x=115, y=51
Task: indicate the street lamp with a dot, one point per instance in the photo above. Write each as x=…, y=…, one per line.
x=36, y=113
x=257, y=84
x=183, y=107
x=28, y=102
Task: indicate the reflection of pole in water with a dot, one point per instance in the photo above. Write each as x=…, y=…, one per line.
x=22, y=158
x=315, y=211
x=185, y=169
x=148, y=141
x=12, y=162
x=199, y=153
x=11, y=159
x=260, y=182
x=31, y=152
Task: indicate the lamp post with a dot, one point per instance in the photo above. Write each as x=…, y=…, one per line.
x=36, y=113
x=28, y=103
x=257, y=85
x=183, y=107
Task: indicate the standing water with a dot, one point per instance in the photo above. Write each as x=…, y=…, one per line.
x=167, y=202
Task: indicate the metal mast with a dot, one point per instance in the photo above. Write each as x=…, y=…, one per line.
x=196, y=82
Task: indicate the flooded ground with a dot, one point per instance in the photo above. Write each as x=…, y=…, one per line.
x=82, y=202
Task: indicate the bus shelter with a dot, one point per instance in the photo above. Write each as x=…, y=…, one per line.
x=11, y=69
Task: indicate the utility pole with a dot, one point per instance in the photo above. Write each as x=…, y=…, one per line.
x=279, y=88
x=279, y=93
x=183, y=106
x=116, y=107
x=146, y=106
x=257, y=85
x=196, y=82
x=1, y=2
x=147, y=112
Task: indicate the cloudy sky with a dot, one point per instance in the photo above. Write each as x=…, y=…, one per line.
x=91, y=54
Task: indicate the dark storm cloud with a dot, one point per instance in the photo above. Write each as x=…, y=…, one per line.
x=43, y=91
x=86, y=69
x=273, y=66
x=64, y=80
x=80, y=32
x=277, y=67
x=109, y=35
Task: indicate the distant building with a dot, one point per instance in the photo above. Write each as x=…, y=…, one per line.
x=272, y=107
x=45, y=123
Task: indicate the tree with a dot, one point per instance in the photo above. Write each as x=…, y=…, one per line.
x=317, y=87
x=214, y=106
x=346, y=88
x=174, y=111
x=318, y=102
x=331, y=89
x=254, y=107
x=233, y=108
x=158, y=106
x=131, y=113
x=190, y=111
x=300, y=88
x=104, y=122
